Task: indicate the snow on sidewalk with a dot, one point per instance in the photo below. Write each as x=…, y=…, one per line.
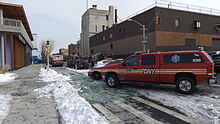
x=5, y=100
x=4, y=106
x=7, y=78
x=71, y=106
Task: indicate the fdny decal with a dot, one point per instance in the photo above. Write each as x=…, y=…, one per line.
x=148, y=71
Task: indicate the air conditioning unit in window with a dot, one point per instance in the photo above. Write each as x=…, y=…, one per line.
x=196, y=25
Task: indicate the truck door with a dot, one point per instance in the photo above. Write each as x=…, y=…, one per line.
x=130, y=69
x=149, y=68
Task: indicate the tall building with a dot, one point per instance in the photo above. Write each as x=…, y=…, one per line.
x=93, y=22
x=15, y=37
x=168, y=29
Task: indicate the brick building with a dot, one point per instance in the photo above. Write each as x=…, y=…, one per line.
x=177, y=30
x=72, y=49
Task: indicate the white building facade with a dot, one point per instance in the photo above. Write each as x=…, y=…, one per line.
x=93, y=22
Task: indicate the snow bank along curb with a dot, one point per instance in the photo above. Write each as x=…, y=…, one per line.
x=81, y=71
x=5, y=106
x=71, y=106
x=7, y=78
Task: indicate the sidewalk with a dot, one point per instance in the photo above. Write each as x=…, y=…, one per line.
x=26, y=107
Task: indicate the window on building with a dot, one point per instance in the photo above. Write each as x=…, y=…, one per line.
x=92, y=51
x=110, y=36
x=215, y=43
x=111, y=46
x=103, y=27
x=107, y=17
x=96, y=28
x=103, y=38
x=217, y=27
x=183, y=58
x=148, y=60
x=121, y=31
x=197, y=24
x=189, y=42
x=133, y=61
x=177, y=22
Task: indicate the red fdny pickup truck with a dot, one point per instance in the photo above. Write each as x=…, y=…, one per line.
x=185, y=69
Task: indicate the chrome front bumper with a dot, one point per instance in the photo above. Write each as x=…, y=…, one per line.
x=212, y=81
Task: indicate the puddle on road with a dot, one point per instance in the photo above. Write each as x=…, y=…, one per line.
x=97, y=91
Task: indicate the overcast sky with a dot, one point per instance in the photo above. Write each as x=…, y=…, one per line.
x=60, y=20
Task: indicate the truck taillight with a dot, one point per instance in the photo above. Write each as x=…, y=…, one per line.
x=210, y=71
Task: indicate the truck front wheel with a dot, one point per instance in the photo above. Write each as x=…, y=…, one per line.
x=112, y=80
x=185, y=85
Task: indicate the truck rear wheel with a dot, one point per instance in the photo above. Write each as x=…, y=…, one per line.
x=112, y=80
x=185, y=85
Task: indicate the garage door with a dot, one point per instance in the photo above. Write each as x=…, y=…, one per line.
x=18, y=53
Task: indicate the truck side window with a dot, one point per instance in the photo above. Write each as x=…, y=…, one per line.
x=183, y=58
x=148, y=60
x=132, y=61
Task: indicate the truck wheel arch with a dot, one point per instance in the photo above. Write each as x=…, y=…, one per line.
x=111, y=73
x=185, y=74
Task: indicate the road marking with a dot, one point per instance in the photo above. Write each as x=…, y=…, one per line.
x=137, y=113
x=109, y=115
x=168, y=111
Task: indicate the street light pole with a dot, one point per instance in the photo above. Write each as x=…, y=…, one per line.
x=144, y=33
x=144, y=38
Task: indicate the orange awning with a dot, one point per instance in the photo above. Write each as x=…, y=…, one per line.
x=16, y=11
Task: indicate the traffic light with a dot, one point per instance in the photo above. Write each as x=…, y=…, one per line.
x=47, y=43
x=157, y=20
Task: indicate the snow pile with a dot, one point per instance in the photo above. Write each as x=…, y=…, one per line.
x=84, y=72
x=203, y=108
x=7, y=77
x=81, y=71
x=51, y=76
x=4, y=106
x=72, y=107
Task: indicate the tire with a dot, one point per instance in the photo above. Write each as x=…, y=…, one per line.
x=112, y=80
x=185, y=85
x=97, y=76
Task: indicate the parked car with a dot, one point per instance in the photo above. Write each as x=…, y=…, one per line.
x=102, y=63
x=185, y=69
x=71, y=63
x=82, y=64
x=216, y=59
